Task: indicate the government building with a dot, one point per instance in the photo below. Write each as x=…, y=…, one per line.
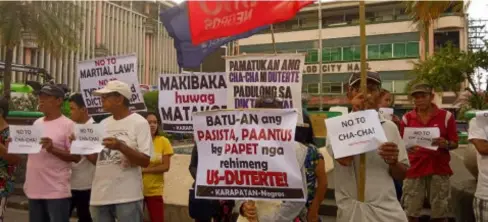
x=393, y=43
x=109, y=28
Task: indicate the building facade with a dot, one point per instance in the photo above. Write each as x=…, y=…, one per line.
x=109, y=28
x=393, y=43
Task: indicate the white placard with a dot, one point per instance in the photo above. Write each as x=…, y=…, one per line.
x=25, y=139
x=88, y=139
x=182, y=94
x=387, y=113
x=247, y=154
x=421, y=136
x=94, y=74
x=342, y=109
x=252, y=76
x=355, y=133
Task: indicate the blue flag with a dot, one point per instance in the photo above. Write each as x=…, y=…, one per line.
x=176, y=22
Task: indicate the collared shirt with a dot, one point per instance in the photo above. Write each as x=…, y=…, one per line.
x=381, y=203
x=425, y=162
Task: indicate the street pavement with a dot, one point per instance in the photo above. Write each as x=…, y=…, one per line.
x=13, y=215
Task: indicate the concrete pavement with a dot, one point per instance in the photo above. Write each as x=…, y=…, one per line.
x=13, y=215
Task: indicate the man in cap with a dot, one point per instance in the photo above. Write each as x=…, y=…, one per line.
x=430, y=171
x=117, y=184
x=390, y=161
x=48, y=173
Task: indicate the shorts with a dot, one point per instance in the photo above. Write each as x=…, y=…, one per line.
x=480, y=208
x=435, y=188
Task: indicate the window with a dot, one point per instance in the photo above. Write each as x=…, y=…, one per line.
x=399, y=50
x=388, y=85
x=313, y=88
x=373, y=52
x=348, y=53
x=412, y=49
x=326, y=55
x=336, y=54
x=311, y=56
x=386, y=51
x=331, y=87
x=400, y=86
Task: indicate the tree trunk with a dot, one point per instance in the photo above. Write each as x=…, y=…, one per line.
x=7, y=73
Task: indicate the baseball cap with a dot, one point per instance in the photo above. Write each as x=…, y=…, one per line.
x=52, y=90
x=115, y=86
x=421, y=88
x=356, y=77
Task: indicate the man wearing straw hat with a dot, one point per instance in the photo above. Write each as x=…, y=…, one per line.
x=390, y=161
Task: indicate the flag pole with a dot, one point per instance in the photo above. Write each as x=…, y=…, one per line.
x=362, y=37
x=273, y=38
x=320, y=57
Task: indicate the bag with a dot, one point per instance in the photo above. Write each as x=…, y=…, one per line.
x=201, y=209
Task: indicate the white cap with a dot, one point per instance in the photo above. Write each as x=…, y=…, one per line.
x=115, y=86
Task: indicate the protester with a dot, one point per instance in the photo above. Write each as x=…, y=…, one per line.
x=81, y=172
x=117, y=184
x=203, y=210
x=8, y=161
x=153, y=175
x=430, y=171
x=47, y=181
x=387, y=102
x=275, y=211
x=390, y=161
x=478, y=137
x=315, y=173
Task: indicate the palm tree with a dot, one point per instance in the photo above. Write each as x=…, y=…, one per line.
x=424, y=13
x=53, y=26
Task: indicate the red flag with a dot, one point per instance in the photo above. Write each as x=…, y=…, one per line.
x=216, y=19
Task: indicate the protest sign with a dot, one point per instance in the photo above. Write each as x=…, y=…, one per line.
x=94, y=74
x=421, y=136
x=25, y=139
x=342, y=109
x=247, y=155
x=252, y=76
x=182, y=94
x=355, y=133
x=88, y=139
x=387, y=113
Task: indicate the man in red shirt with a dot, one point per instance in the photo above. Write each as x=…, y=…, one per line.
x=429, y=171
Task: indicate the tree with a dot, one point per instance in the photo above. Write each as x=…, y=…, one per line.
x=423, y=13
x=54, y=25
x=449, y=68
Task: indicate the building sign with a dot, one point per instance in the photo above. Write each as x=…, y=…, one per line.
x=334, y=68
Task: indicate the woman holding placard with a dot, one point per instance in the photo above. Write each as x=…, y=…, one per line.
x=7, y=161
x=153, y=175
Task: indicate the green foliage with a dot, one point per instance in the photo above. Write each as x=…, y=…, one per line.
x=151, y=100
x=26, y=102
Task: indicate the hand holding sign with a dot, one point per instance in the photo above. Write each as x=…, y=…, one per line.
x=389, y=152
x=112, y=143
x=47, y=144
x=440, y=142
x=387, y=113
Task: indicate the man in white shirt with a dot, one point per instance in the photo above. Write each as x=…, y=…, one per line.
x=478, y=137
x=82, y=171
x=117, y=184
x=389, y=161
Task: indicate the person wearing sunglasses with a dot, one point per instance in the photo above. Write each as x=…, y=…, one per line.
x=275, y=211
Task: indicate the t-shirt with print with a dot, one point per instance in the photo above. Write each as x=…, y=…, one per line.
x=7, y=171
x=381, y=203
x=425, y=162
x=153, y=183
x=115, y=180
x=82, y=172
x=477, y=131
x=47, y=176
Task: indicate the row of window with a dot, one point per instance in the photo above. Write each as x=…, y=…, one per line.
x=396, y=86
x=353, y=53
